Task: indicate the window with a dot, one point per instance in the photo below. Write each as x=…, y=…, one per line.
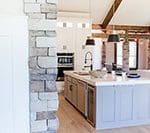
x=133, y=56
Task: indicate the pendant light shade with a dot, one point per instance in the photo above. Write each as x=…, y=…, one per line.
x=113, y=38
x=90, y=41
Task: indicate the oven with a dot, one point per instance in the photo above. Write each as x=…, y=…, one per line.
x=65, y=62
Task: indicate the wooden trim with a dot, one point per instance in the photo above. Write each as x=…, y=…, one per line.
x=96, y=26
x=102, y=35
x=111, y=13
x=122, y=27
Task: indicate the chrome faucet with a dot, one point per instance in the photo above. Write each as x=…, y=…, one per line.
x=91, y=59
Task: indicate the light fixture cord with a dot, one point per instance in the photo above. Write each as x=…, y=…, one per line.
x=113, y=15
x=90, y=8
x=90, y=13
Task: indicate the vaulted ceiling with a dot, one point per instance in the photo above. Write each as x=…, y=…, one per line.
x=130, y=12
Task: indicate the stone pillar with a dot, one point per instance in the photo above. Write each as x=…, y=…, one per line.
x=126, y=53
x=149, y=55
x=42, y=64
x=103, y=53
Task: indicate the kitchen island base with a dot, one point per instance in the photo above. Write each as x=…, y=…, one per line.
x=110, y=104
x=122, y=106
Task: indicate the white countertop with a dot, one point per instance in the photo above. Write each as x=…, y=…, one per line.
x=111, y=79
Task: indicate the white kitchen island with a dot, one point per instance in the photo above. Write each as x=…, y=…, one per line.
x=117, y=101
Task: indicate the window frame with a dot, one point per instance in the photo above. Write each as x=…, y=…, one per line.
x=137, y=53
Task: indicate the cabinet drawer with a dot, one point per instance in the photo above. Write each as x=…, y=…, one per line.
x=74, y=81
x=69, y=78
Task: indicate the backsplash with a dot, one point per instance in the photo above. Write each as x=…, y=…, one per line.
x=43, y=64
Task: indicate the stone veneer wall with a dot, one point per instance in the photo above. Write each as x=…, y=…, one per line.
x=126, y=55
x=42, y=64
x=149, y=54
x=103, y=53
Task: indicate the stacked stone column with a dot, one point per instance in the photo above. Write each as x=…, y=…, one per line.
x=126, y=53
x=42, y=64
x=103, y=53
x=149, y=54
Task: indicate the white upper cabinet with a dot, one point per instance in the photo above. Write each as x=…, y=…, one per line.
x=65, y=37
x=72, y=31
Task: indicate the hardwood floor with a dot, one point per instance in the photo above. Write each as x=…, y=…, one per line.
x=71, y=121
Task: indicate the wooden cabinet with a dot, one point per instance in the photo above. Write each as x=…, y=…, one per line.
x=74, y=94
x=82, y=97
x=70, y=90
x=91, y=112
x=66, y=85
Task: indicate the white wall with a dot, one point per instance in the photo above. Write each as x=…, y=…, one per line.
x=14, y=79
x=97, y=55
x=11, y=7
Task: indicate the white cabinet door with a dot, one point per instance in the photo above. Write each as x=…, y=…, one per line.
x=125, y=103
x=108, y=104
x=70, y=39
x=141, y=99
x=14, y=82
x=66, y=39
x=60, y=39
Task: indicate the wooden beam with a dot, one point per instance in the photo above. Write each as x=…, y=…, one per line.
x=96, y=26
x=111, y=13
x=128, y=27
x=122, y=27
x=102, y=35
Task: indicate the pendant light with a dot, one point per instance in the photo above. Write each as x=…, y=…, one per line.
x=90, y=40
x=113, y=37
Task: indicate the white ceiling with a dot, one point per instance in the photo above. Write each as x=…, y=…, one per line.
x=130, y=12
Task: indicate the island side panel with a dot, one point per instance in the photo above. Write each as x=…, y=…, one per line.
x=105, y=107
x=122, y=106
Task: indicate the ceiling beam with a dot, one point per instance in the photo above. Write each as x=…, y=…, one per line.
x=122, y=27
x=140, y=36
x=111, y=13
